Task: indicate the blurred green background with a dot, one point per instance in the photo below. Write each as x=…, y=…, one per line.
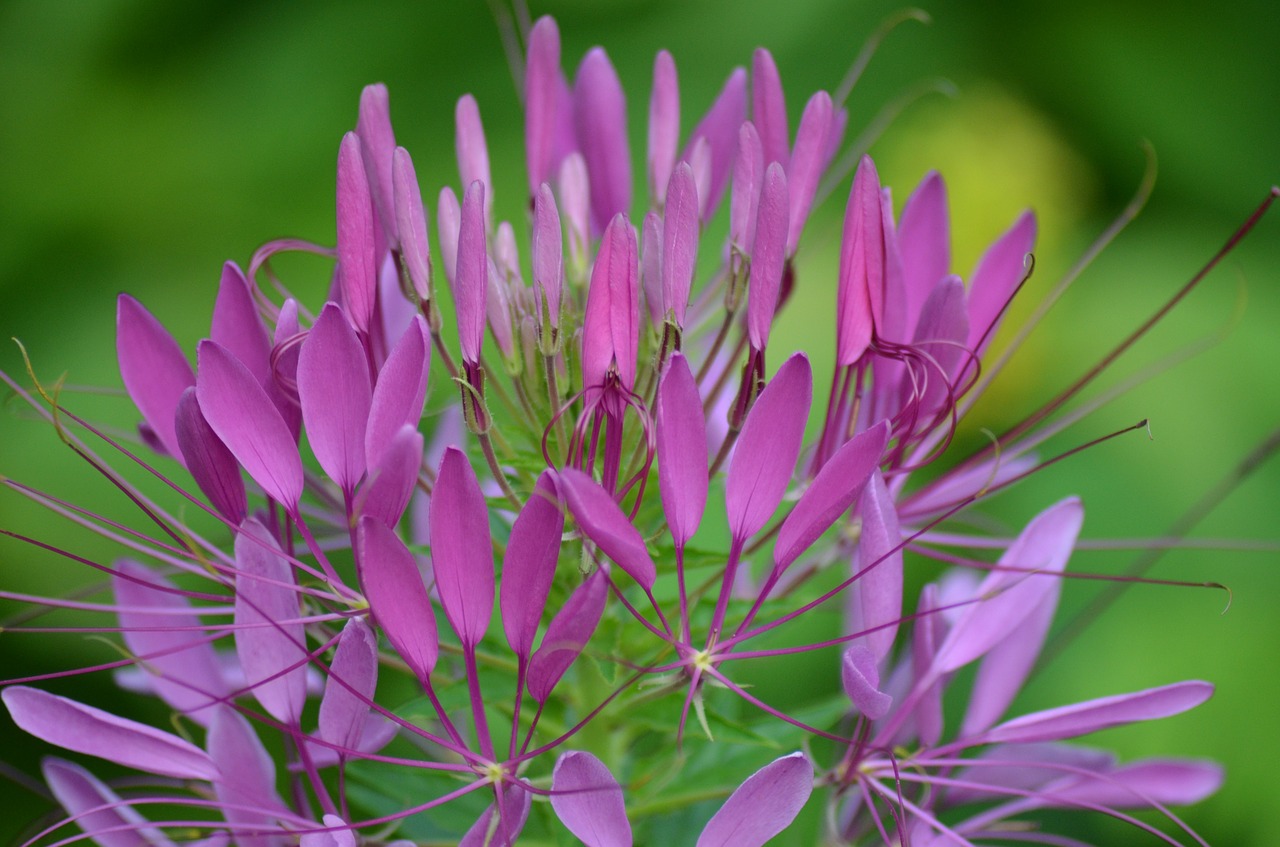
x=144, y=142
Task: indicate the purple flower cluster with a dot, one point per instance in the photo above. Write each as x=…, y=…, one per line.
x=301, y=605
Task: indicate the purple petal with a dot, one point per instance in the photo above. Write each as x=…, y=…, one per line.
x=333, y=385
x=353, y=676
x=1103, y=713
x=530, y=565
x=763, y=806
x=679, y=242
x=588, y=801
x=830, y=494
x=748, y=174
x=338, y=835
x=237, y=326
x=548, y=252
x=472, y=277
x=928, y=633
x=248, y=783
x=720, y=128
x=605, y=524
x=877, y=602
x=611, y=325
x=575, y=204
x=769, y=109
x=248, y=423
x=568, y=632
x=1169, y=782
x=397, y=596
x=942, y=330
x=768, y=447
x=357, y=257
x=699, y=160
x=472, y=151
x=215, y=470
x=449, y=225
x=401, y=390
x=154, y=371
x=1006, y=598
x=502, y=832
x=682, y=450
x=860, y=674
x=600, y=118
x=84, y=729
x=997, y=276
x=391, y=483
x=377, y=148
x=461, y=549
x=861, y=265
x=664, y=125
x=498, y=309
x=808, y=161
x=78, y=791
x=924, y=236
x=411, y=223
x=270, y=641
x=768, y=256
x=181, y=663
x=1027, y=767
x=283, y=392
x=542, y=83
x=651, y=268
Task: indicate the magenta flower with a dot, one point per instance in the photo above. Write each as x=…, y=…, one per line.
x=311, y=594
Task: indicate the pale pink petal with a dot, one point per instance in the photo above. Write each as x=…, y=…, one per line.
x=473, y=152
x=664, y=125
x=270, y=641
x=247, y=787
x=542, y=81
x=808, y=161
x=377, y=146
x=600, y=119
x=338, y=835
x=720, y=128
x=449, y=226
x=769, y=109
x=353, y=676
x=411, y=223
x=651, y=268
x=763, y=806
x=548, y=252
x=112, y=824
x=860, y=673
x=588, y=801
x=877, y=602
x=1103, y=713
x=1169, y=782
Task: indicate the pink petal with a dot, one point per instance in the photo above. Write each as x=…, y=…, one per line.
x=529, y=565
x=548, y=252
x=270, y=641
x=78, y=791
x=830, y=494
x=397, y=596
x=411, y=223
x=473, y=152
x=247, y=787
x=154, y=371
x=401, y=390
x=768, y=256
x=1169, y=782
x=575, y=205
x=352, y=679
x=605, y=524
x=997, y=276
x=600, y=118
x=860, y=674
x=568, y=633
x=763, y=806
x=1006, y=598
x=861, y=265
x=338, y=835
x=682, y=450
x=767, y=449
x=84, y=729
x=611, y=324
x=391, y=483
x=588, y=801
x=449, y=225
x=1103, y=713
x=720, y=128
x=237, y=326
x=472, y=277
x=877, y=602
x=542, y=83
x=377, y=147
x=182, y=665
x=679, y=242
x=357, y=257
x=498, y=309
x=461, y=549
x=927, y=634
x=748, y=175
x=924, y=236
x=808, y=161
x=286, y=369
x=215, y=470
x=769, y=108
x=651, y=268
x=333, y=385
x=942, y=330
x=487, y=832
x=664, y=125
x=248, y=423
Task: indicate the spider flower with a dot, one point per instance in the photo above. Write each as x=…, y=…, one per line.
x=311, y=593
